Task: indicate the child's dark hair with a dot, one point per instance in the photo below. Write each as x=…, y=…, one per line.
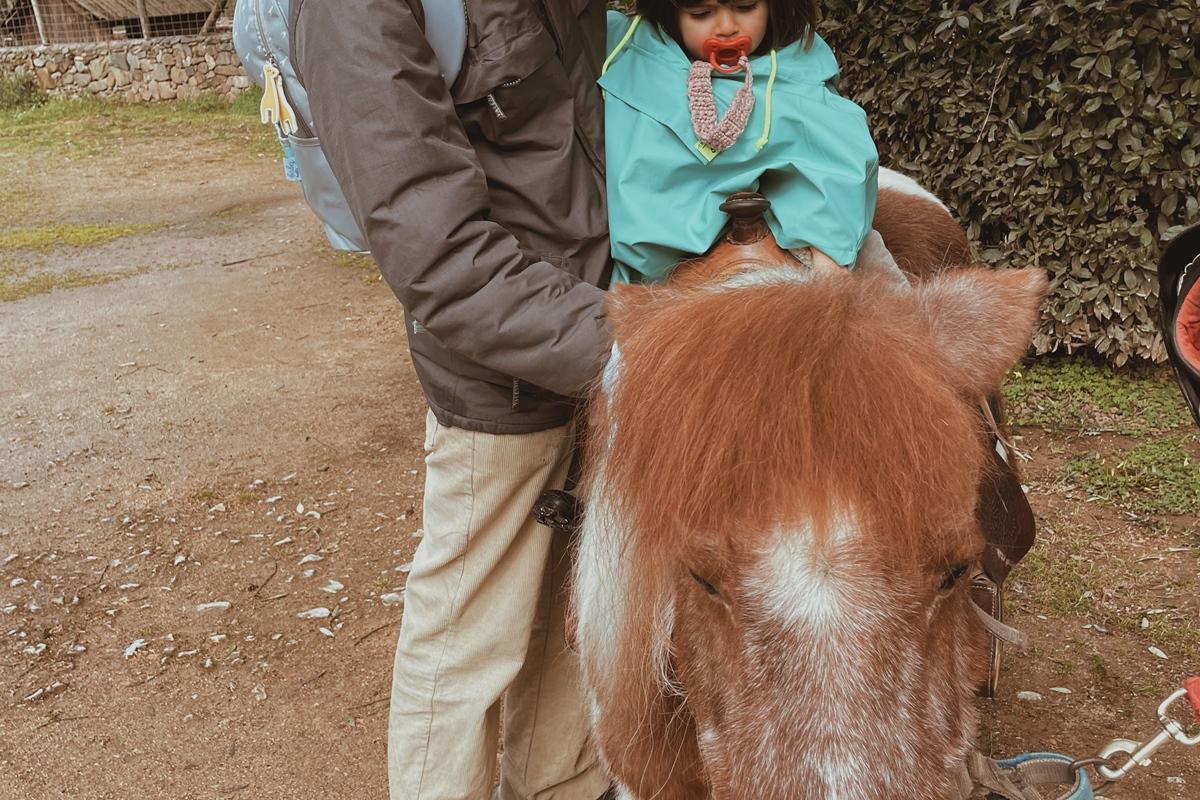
x=788, y=20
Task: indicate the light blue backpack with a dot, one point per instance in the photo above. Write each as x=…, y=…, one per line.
x=261, y=39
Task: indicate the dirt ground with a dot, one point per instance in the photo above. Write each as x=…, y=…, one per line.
x=210, y=426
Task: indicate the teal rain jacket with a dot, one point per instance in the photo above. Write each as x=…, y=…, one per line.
x=807, y=149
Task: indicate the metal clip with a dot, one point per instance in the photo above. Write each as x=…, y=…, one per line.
x=1139, y=754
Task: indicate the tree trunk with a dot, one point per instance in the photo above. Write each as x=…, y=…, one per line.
x=213, y=16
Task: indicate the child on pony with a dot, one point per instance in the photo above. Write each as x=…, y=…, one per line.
x=673, y=157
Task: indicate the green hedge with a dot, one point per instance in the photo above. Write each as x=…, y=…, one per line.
x=1064, y=133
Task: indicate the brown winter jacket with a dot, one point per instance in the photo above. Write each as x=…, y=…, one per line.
x=483, y=204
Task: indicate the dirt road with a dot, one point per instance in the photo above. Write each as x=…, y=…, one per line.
x=210, y=488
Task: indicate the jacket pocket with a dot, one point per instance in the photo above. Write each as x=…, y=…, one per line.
x=501, y=48
x=527, y=110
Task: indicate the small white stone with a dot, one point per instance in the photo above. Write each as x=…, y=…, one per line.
x=333, y=587
x=311, y=558
x=315, y=613
x=258, y=693
x=326, y=632
x=179, y=559
x=217, y=509
x=1029, y=697
x=137, y=645
x=15, y=582
x=273, y=499
x=1158, y=653
x=215, y=605
x=392, y=598
x=1060, y=689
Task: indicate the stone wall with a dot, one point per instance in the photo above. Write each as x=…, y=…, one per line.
x=141, y=70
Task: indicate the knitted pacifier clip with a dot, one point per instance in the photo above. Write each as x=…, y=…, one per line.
x=718, y=134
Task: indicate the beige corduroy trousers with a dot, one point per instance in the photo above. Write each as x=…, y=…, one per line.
x=484, y=616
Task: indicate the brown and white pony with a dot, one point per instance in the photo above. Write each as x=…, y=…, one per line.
x=769, y=592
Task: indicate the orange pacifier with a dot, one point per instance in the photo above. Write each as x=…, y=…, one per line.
x=724, y=54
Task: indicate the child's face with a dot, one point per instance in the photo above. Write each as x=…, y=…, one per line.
x=700, y=20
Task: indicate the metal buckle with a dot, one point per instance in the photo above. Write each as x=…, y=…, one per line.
x=1139, y=754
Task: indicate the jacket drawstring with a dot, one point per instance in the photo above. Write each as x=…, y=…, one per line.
x=766, y=133
x=621, y=44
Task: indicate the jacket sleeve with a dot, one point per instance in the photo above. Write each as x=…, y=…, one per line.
x=412, y=180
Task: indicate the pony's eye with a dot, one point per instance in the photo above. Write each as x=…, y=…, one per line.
x=708, y=587
x=951, y=577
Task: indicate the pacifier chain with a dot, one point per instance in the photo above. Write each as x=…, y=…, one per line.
x=720, y=134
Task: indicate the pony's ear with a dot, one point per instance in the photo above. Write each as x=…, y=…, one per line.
x=982, y=321
x=625, y=302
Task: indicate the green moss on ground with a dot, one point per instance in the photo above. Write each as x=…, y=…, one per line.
x=1080, y=572
x=17, y=284
x=1156, y=476
x=1078, y=394
x=361, y=262
x=46, y=237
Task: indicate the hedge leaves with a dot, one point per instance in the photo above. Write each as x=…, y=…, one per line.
x=1065, y=133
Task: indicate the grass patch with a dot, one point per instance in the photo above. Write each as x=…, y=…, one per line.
x=19, y=93
x=16, y=200
x=44, y=238
x=1156, y=476
x=361, y=262
x=1077, y=572
x=1078, y=394
x=16, y=284
x=87, y=127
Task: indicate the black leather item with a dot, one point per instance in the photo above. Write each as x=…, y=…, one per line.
x=1178, y=276
x=1004, y=516
x=558, y=509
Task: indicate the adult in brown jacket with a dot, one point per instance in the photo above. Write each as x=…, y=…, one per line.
x=483, y=204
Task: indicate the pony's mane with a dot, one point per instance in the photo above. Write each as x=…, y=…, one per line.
x=747, y=406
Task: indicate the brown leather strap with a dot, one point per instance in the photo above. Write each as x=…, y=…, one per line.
x=983, y=778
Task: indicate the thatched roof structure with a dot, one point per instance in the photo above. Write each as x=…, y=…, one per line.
x=127, y=9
